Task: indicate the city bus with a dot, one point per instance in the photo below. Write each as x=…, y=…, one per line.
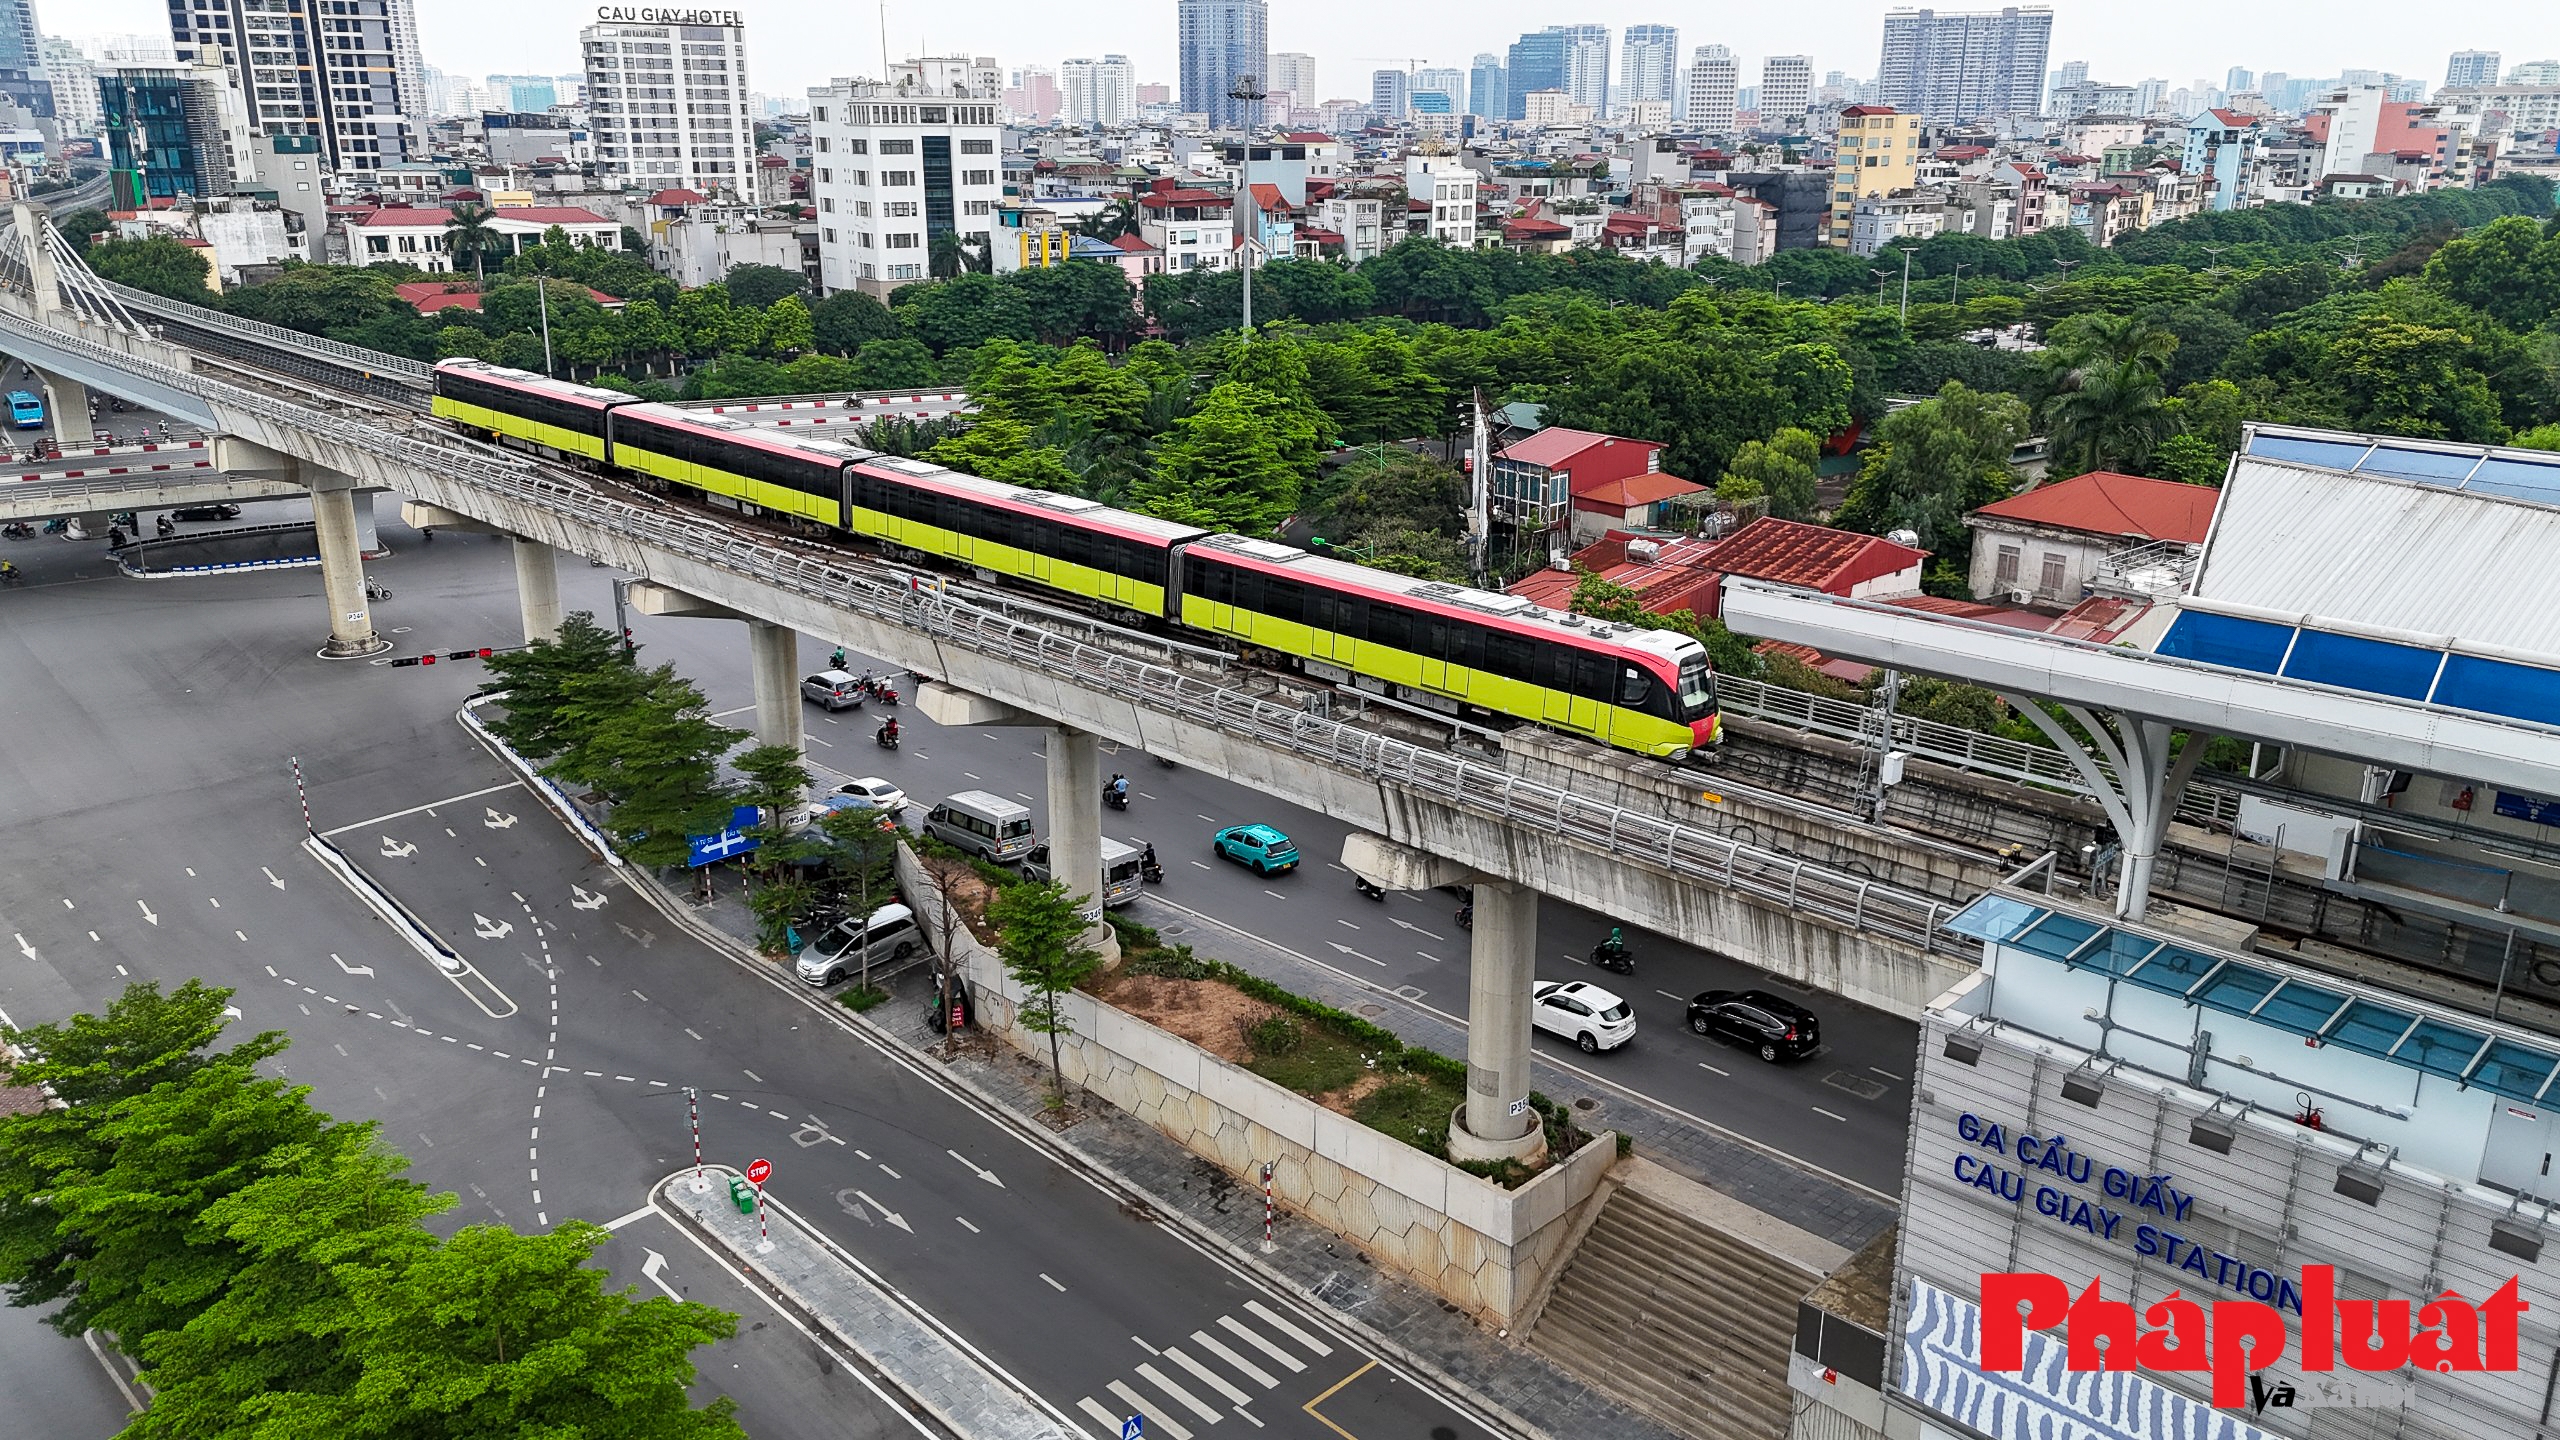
x=26, y=412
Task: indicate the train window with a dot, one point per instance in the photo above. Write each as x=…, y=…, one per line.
x=1508, y=655
x=1632, y=683
x=1284, y=600
x=1390, y=625
x=1595, y=676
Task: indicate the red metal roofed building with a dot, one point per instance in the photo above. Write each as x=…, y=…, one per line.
x=1540, y=482
x=1681, y=572
x=428, y=297
x=2049, y=545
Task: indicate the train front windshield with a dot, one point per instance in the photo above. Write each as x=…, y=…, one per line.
x=1697, y=688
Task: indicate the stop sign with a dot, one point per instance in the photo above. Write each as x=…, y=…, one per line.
x=757, y=1170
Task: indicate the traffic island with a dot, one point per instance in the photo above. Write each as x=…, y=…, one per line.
x=830, y=1291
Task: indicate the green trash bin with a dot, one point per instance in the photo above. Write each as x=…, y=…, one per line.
x=743, y=1195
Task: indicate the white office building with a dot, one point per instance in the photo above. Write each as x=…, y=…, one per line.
x=1650, y=67
x=892, y=167
x=2471, y=67
x=75, y=86
x=1446, y=80
x=1786, y=90
x=334, y=76
x=1445, y=184
x=1100, y=93
x=1714, y=85
x=1294, y=72
x=670, y=105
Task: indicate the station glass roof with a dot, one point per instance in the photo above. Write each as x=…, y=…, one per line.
x=2321, y=1013
x=2376, y=667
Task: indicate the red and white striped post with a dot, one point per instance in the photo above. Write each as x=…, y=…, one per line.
x=693, y=1117
x=764, y=1238
x=1268, y=1245
x=303, y=795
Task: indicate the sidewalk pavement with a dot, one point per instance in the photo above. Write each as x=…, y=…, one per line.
x=829, y=1288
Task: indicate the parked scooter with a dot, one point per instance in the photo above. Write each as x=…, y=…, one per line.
x=885, y=694
x=17, y=530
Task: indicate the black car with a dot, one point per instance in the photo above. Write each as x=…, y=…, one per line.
x=1776, y=1027
x=206, y=512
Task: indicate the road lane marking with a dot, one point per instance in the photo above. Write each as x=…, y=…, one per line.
x=1212, y=819
x=1889, y=1075
x=1244, y=1367
x=1275, y=1318
x=1185, y=1398
x=1109, y=1422
x=1843, y=1119
x=643, y=999
x=1667, y=995
x=418, y=809
x=1054, y=1285
x=1703, y=1065
x=1254, y=1339
x=750, y=1074
x=1208, y=1377
x=1143, y=1345
x=1158, y=1418
x=643, y=1213
x=884, y=1169
x=1310, y=1406
x=1203, y=864
x=1274, y=894
x=965, y=1225
x=1338, y=920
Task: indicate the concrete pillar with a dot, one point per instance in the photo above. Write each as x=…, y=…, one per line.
x=66, y=405
x=1502, y=964
x=368, y=535
x=1075, y=814
x=333, y=515
x=538, y=591
x=774, y=653
x=30, y=220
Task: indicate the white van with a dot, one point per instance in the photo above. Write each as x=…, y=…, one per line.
x=890, y=934
x=1120, y=879
x=982, y=824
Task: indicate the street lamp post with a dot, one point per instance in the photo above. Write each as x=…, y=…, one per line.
x=1955, y=284
x=1906, y=285
x=1248, y=89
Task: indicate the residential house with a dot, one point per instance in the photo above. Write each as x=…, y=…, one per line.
x=1535, y=479
x=414, y=235
x=430, y=297
x=1193, y=228
x=1980, y=207
x=2222, y=152
x=1670, y=573
x=1878, y=154
x=1876, y=221
x=1532, y=235
x=1360, y=221
x=1641, y=235
x=2049, y=545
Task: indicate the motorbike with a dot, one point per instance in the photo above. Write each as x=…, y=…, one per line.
x=886, y=695
x=13, y=576
x=1374, y=892
x=1467, y=916
x=885, y=737
x=1116, y=799
x=1614, y=958
x=166, y=526
x=1150, y=869
x=17, y=530
x=58, y=525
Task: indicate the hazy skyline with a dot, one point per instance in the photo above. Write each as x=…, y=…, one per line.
x=794, y=44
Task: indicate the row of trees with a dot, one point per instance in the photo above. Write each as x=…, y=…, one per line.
x=273, y=1269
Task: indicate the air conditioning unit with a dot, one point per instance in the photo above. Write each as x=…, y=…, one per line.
x=2020, y=595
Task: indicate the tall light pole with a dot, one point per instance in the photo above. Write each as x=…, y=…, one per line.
x=1955, y=285
x=1906, y=285
x=1248, y=89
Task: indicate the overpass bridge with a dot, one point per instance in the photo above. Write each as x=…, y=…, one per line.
x=1433, y=814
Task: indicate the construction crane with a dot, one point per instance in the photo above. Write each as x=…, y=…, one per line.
x=1411, y=63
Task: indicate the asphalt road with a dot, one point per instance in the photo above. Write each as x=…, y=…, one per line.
x=1843, y=1109
x=144, y=739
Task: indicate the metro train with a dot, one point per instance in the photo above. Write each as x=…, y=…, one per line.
x=1446, y=647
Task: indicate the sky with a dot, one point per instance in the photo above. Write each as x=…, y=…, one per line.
x=794, y=44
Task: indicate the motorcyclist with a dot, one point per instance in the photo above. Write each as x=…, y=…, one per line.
x=836, y=661
x=1146, y=856
x=10, y=574
x=1613, y=948
x=1120, y=788
x=889, y=732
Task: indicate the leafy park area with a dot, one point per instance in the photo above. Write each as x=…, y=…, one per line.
x=275, y=1272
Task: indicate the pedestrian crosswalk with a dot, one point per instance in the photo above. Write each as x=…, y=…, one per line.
x=1183, y=1384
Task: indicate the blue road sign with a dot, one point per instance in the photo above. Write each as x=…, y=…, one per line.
x=729, y=844
x=1133, y=1427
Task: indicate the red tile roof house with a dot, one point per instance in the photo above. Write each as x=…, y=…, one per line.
x=1682, y=572
x=1581, y=482
x=2041, y=548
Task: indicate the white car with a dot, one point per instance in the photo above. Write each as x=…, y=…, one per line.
x=874, y=791
x=1583, y=1013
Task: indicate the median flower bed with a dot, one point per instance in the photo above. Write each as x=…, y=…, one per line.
x=1338, y=1060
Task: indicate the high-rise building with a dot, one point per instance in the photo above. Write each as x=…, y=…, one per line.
x=1442, y=80
x=1879, y=153
x=1747, y=100
x=173, y=131
x=1965, y=64
x=1786, y=90
x=893, y=169
x=2240, y=78
x=1034, y=95
x=1101, y=93
x=2149, y=95
x=525, y=94
x=1154, y=93
x=1713, y=90
x=2472, y=67
x=74, y=78
x=1387, y=94
x=332, y=75
x=1586, y=65
x=1536, y=62
x=1488, y=88
x=408, y=66
x=23, y=76
x=1295, y=72
x=669, y=105
x=1223, y=41
x=1650, y=69
x=2072, y=75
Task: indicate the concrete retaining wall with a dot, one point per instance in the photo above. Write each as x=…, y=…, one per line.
x=1485, y=1249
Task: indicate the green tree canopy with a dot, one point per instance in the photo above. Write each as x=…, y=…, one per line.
x=847, y=320
x=161, y=265
x=1223, y=466
x=1041, y=935
x=2508, y=269
x=965, y=310
x=1931, y=464
x=759, y=286
x=317, y=299
x=1782, y=467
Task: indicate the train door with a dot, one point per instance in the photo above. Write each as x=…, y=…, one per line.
x=1436, y=641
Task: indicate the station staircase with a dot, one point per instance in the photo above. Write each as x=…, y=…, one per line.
x=1673, y=1309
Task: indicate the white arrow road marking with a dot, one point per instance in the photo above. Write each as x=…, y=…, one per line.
x=497, y=821
x=1416, y=929
x=489, y=929
x=397, y=850
x=1347, y=950
x=351, y=969
x=26, y=949
x=585, y=900
x=271, y=877
x=146, y=911
x=651, y=1266
x=987, y=1175
x=886, y=1213
x=231, y=1012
